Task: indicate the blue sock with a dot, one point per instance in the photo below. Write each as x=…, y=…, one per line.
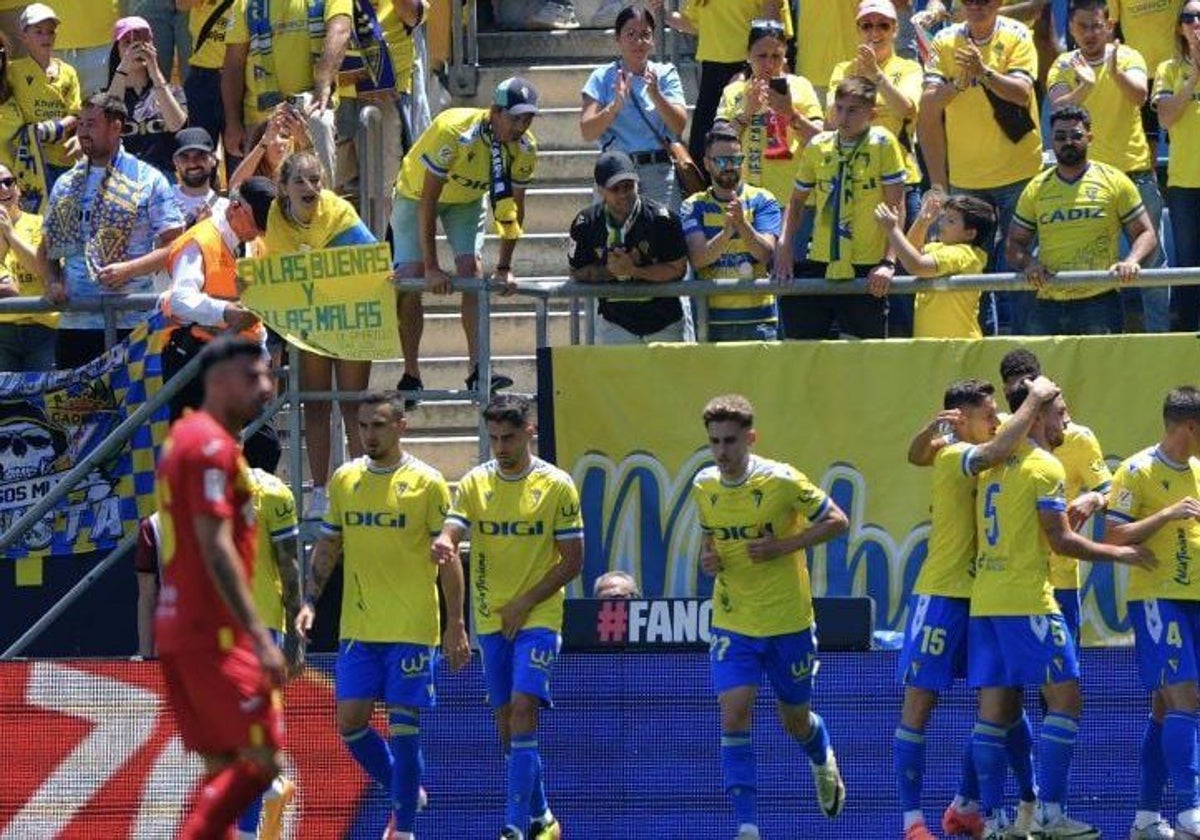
x=1153, y=767
x=248, y=821
x=524, y=764
x=991, y=764
x=1019, y=746
x=1057, y=746
x=537, y=800
x=740, y=775
x=1179, y=749
x=817, y=743
x=908, y=760
x=407, y=765
x=372, y=752
x=968, y=785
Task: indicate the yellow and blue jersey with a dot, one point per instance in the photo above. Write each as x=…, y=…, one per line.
x=275, y=508
x=1012, y=566
x=705, y=213
x=457, y=149
x=947, y=567
x=950, y=314
x=1078, y=223
x=516, y=523
x=335, y=223
x=386, y=519
x=1086, y=470
x=1146, y=483
x=773, y=500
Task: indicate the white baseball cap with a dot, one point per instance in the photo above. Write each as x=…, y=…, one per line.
x=36, y=13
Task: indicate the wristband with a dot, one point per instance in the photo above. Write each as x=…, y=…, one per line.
x=310, y=601
x=503, y=268
x=888, y=263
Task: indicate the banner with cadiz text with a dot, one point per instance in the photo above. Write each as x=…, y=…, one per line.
x=337, y=302
x=625, y=422
x=49, y=422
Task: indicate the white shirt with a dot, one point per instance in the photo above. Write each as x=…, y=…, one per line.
x=187, y=300
x=193, y=204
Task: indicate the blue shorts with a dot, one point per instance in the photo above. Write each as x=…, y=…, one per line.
x=399, y=673
x=935, y=644
x=1166, y=635
x=1068, y=602
x=789, y=660
x=522, y=664
x=1013, y=651
x=462, y=223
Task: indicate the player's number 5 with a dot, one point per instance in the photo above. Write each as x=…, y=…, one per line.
x=990, y=514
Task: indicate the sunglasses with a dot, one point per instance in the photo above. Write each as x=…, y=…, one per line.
x=729, y=161
x=1189, y=17
x=8, y=183
x=1063, y=136
x=758, y=28
x=875, y=26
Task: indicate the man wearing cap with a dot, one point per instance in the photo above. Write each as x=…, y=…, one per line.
x=46, y=88
x=107, y=225
x=195, y=167
x=627, y=238
x=465, y=154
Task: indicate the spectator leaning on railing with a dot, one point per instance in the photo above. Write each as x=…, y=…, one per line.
x=1077, y=210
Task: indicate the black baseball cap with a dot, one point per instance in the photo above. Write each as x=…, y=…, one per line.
x=257, y=193
x=614, y=167
x=516, y=96
x=194, y=139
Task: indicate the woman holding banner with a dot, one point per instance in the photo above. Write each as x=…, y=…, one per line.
x=304, y=217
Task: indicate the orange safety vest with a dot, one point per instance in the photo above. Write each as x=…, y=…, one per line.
x=220, y=276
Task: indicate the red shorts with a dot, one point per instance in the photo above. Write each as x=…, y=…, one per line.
x=222, y=700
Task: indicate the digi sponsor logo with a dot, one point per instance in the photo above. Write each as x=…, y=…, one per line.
x=516, y=528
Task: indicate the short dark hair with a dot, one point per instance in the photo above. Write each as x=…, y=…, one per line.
x=729, y=407
x=392, y=398
x=856, y=87
x=764, y=28
x=1071, y=113
x=513, y=409
x=1181, y=404
x=1088, y=6
x=112, y=106
x=1019, y=363
x=225, y=348
x=977, y=215
x=634, y=11
x=967, y=392
x=721, y=132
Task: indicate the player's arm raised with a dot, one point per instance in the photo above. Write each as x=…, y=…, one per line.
x=1016, y=428
x=570, y=564
x=215, y=536
x=932, y=438
x=326, y=555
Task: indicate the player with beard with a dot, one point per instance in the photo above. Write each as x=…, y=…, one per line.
x=195, y=169
x=1078, y=210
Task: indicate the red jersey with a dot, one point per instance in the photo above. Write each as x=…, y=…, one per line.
x=200, y=471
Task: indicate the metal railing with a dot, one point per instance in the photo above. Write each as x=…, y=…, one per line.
x=462, y=74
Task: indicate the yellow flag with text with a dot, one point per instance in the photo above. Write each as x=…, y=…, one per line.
x=337, y=302
x=625, y=422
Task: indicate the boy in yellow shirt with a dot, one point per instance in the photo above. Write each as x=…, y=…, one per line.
x=46, y=88
x=965, y=227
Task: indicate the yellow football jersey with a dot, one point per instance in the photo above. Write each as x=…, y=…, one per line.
x=1183, y=164
x=1078, y=223
x=515, y=525
x=979, y=155
x=724, y=27
x=387, y=519
x=1012, y=567
x=1086, y=470
x=828, y=32
x=950, y=314
x=457, y=148
x=1118, y=137
x=1146, y=483
x=275, y=508
x=28, y=228
x=42, y=97
x=906, y=75
x=774, y=499
x=947, y=567
x=1149, y=26
x=210, y=54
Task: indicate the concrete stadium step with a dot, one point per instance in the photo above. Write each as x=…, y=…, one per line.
x=551, y=209
x=561, y=167
x=537, y=254
x=578, y=46
x=513, y=333
x=448, y=372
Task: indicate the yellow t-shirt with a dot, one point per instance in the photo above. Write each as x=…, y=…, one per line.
x=947, y=567
x=399, y=41
x=1146, y=483
x=1012, y=569
x=979, y=155
x=771, y=146
x=906, y=75
x=845, y=232
x=516, y=524
x=387, y=519
x=275, y=508
x=27, y=227
x=1149, y=26
x=723, y=27
x=1118, y=137
x=827, y=32
x=211, y=54
x=774, y=499
x=457, y=148
x=1183, y=163
x=295, y=46
x=335, y=223
x=1086, y=470
x=41, y=97
x=1078, y=224
x=950, y=314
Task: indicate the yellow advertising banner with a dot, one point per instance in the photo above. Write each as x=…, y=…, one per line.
x=337, y=302
x=626, y=425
